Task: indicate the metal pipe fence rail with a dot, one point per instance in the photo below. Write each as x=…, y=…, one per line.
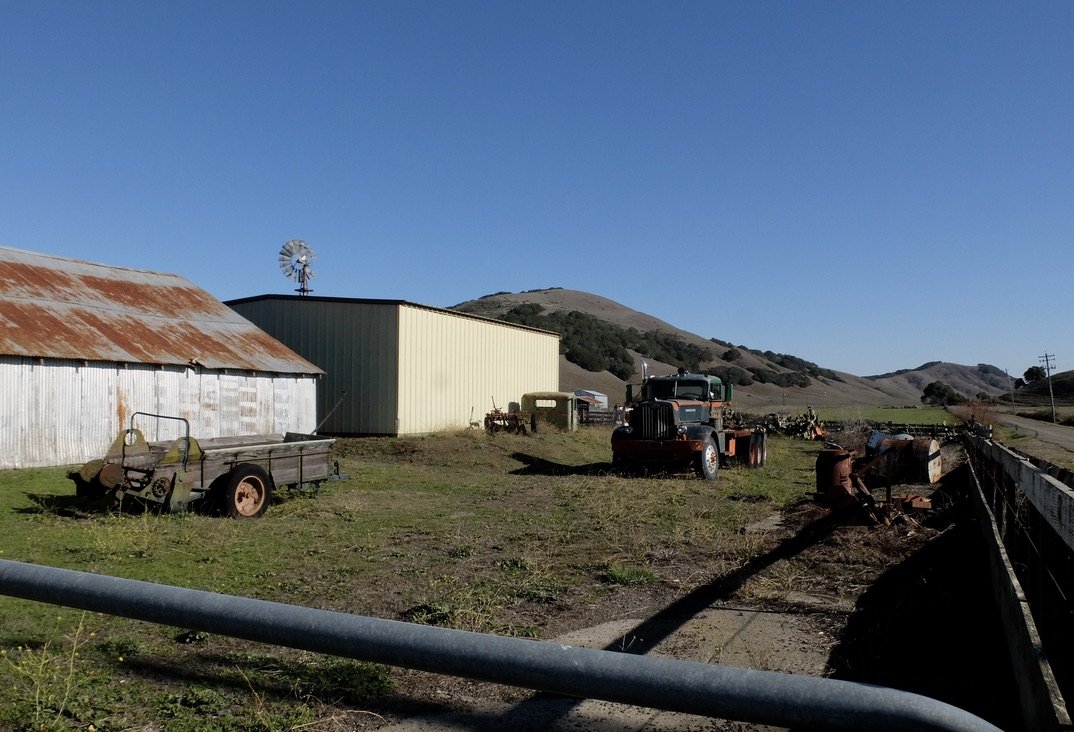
x=764, y=697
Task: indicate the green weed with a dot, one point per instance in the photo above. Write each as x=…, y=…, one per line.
x=629, y=574
x=53, y=683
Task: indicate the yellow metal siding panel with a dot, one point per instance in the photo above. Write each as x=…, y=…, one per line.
x=453, y=368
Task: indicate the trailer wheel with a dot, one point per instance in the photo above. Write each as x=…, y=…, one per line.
x=708, y=460
x=248, y=492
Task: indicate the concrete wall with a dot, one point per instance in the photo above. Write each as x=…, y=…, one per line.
x=998, y=475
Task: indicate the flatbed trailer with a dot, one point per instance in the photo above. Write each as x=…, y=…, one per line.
x=238, y=474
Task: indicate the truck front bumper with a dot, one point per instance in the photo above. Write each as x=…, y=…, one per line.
x=656, y=451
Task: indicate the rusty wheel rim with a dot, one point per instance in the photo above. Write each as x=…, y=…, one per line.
x=249, y=496
x=711, y=458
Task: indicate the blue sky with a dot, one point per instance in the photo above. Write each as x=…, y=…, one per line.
x=867, y=185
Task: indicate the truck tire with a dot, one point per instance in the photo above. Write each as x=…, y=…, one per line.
x=248, y=493
x=762, y=448
x=758, y=450
x=708, y=460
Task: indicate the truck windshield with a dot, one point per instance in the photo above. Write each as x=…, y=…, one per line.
x=674, y=389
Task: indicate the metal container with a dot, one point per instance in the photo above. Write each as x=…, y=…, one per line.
x=833, y=474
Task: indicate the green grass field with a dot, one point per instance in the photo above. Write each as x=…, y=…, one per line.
x=505, y=534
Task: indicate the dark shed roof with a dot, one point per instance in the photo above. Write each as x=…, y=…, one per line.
x=53, y=307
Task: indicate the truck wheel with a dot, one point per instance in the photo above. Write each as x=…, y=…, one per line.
x=248, y=492
x=708, y=460
x=622, y=466
x=762, y=448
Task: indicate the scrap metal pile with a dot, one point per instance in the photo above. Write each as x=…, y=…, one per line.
x=887, y=460
x=500, y=421
x=807, y=426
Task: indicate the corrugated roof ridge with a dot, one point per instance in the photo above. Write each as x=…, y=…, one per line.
x=45, y=255
x=382, y=301
x=150, y=303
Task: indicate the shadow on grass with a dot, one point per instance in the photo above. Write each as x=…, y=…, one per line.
x=544, y=709
x=66, y=506
x=533, y=465
x=83, y=507
x=345, y=681
x=642, y=638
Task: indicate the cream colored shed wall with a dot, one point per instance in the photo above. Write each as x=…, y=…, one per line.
x=59, y=412
x=452, y=368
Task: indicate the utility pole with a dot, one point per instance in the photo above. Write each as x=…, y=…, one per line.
x=1010, y=386
x=1046, y=359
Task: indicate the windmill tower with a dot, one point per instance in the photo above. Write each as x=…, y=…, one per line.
x=295, y=259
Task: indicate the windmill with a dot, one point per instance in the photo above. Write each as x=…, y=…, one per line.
x=295, y=258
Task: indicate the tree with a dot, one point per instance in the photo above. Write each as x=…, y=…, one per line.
x=941, y=394
x=1034, y=373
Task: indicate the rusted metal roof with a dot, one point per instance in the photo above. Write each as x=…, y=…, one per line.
x=53, y=307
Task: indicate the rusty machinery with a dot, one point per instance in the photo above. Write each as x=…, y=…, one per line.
x=888, y=458
x=510, y=421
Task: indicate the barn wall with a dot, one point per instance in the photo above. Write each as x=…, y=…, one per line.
x=60, y=412
x=452, y=368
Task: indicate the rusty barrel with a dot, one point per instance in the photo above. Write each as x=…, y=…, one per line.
x=833, y=474
x=927, y=459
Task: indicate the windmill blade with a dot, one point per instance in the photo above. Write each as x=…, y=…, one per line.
x=295, y=258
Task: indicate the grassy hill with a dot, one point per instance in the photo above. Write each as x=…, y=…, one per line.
x=592, y=325
x=1036, y=394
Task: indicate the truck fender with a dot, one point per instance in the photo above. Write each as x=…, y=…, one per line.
x=701, y=431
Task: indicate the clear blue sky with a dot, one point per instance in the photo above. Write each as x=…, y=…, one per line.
x=867, y=185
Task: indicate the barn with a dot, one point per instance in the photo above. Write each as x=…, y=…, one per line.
x=85, y=346
x=395, y=367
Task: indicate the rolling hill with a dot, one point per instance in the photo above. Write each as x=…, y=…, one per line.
x=764, y=380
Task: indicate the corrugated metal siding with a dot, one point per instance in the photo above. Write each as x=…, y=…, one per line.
x=67, y=412
x=354, y=342
x=407, y=368
x=58, y=308
x=452, y=368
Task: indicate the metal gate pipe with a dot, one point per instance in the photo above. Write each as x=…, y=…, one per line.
x=712, y=690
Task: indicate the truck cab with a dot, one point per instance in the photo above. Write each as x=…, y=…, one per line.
x=679, y=420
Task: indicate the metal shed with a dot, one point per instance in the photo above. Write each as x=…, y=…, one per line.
x=83, y=346
x=395, y=367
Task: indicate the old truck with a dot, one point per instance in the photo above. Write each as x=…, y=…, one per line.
x=236, y=475
x=685, y=420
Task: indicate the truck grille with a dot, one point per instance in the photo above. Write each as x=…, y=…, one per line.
x=654, y=421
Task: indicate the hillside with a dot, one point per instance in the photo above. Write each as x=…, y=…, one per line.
x=768, y=380
x=1037, y=393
